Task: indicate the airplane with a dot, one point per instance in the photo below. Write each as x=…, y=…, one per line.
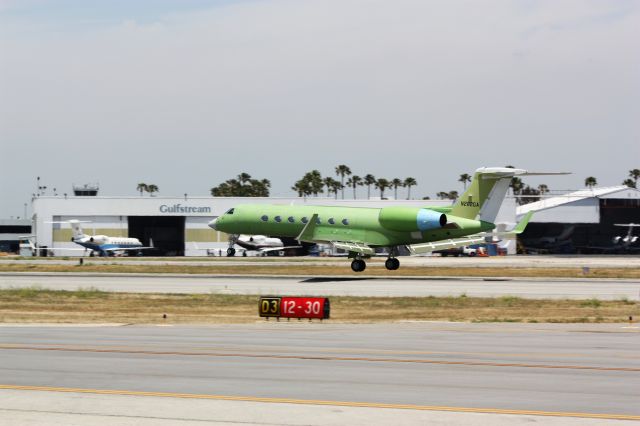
x=260, y=243
x=628, y=239
x=561, y=243
x=101, y=244
x=359, y=230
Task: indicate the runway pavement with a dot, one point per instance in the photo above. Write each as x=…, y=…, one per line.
x=520, y=261
x=320, y=374
x=603, y=289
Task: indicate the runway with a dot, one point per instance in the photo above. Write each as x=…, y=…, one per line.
x=603, y=289
x=519, y=261
x=312, y=373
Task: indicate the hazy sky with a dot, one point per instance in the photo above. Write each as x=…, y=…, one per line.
x=186, y=94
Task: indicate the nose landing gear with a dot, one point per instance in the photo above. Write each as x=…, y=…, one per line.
x=231, y=251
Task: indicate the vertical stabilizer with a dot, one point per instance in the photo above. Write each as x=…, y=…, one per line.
x=483, y=198
x=76, y=229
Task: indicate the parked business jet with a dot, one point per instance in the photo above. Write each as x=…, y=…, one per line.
x=103, y=245
x=628, y=239
x=259, y=243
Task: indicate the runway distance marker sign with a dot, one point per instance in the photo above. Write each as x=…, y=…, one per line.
x=294, y=307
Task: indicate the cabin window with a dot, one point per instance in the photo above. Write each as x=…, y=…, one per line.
x=304, y=220
x=291, y=219
x=331, y=221
x=318, y=221
x=264, y=218
x=278, y=219
x=345, y=222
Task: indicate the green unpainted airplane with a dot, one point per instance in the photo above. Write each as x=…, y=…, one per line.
x=359, y=230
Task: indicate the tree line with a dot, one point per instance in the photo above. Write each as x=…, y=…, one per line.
x=313, y=183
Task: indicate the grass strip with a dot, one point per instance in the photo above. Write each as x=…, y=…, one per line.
x=36, y=305
x=330, y=270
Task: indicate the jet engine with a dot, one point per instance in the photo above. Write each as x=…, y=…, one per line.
x=407, y=219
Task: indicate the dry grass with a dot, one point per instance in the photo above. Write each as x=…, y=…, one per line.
x=94, y=306
x=340, y=269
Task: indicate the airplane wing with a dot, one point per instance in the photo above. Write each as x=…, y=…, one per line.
x=126, y=248
x=266, y=250
x=308, y=231
x=354, y=247
x=444, y=244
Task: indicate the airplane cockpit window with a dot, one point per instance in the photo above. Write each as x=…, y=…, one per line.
x=264, y=218
x=345, y=221
x=331, y=221
x=230, y=211
x=291, y=219
x=304, y=220
x=278, y=219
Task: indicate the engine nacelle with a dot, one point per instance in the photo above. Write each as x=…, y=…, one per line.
x=408, y=219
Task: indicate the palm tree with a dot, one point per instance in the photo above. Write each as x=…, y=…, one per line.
x=142, y=187
x=244, y=178
x=341, y=171
x=382, y=184
x=452, y=195
x=354, y=181
x=635, y=175
x=630, y=183
x=442, y=195
x=152, y=188
x=337, y=186
x=590, y=182
x=328, y=182
x=464, y=178
x=543, y=189
x=409, y=182
x=369, y=180
x=396, y=182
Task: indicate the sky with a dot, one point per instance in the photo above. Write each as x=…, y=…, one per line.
x=186, y=94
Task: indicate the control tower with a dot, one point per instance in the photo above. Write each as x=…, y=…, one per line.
x=86, y=190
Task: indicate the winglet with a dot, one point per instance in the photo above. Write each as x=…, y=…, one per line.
x=519, y=229
x=307, y=232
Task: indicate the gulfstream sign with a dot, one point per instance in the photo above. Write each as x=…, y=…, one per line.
x=179, y=208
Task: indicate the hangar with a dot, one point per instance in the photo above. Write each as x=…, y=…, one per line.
x=583, y=222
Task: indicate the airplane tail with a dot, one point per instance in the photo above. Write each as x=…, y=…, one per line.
x=484, y=196
x=76, y=229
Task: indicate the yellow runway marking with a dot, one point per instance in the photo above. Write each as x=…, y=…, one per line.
x=324, y=402
x=322, y=358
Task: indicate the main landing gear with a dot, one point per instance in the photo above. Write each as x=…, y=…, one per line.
x=392, y=264
x=358, y=265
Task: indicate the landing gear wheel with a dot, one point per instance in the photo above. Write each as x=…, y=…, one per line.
x=358, y=265
x=392, y=264
x=231, y=252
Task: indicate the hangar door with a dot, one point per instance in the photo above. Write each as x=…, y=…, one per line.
x=167, y=234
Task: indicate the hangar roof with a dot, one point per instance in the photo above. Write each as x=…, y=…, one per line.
x=614, y=192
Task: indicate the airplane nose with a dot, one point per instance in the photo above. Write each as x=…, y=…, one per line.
x=212, y=224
